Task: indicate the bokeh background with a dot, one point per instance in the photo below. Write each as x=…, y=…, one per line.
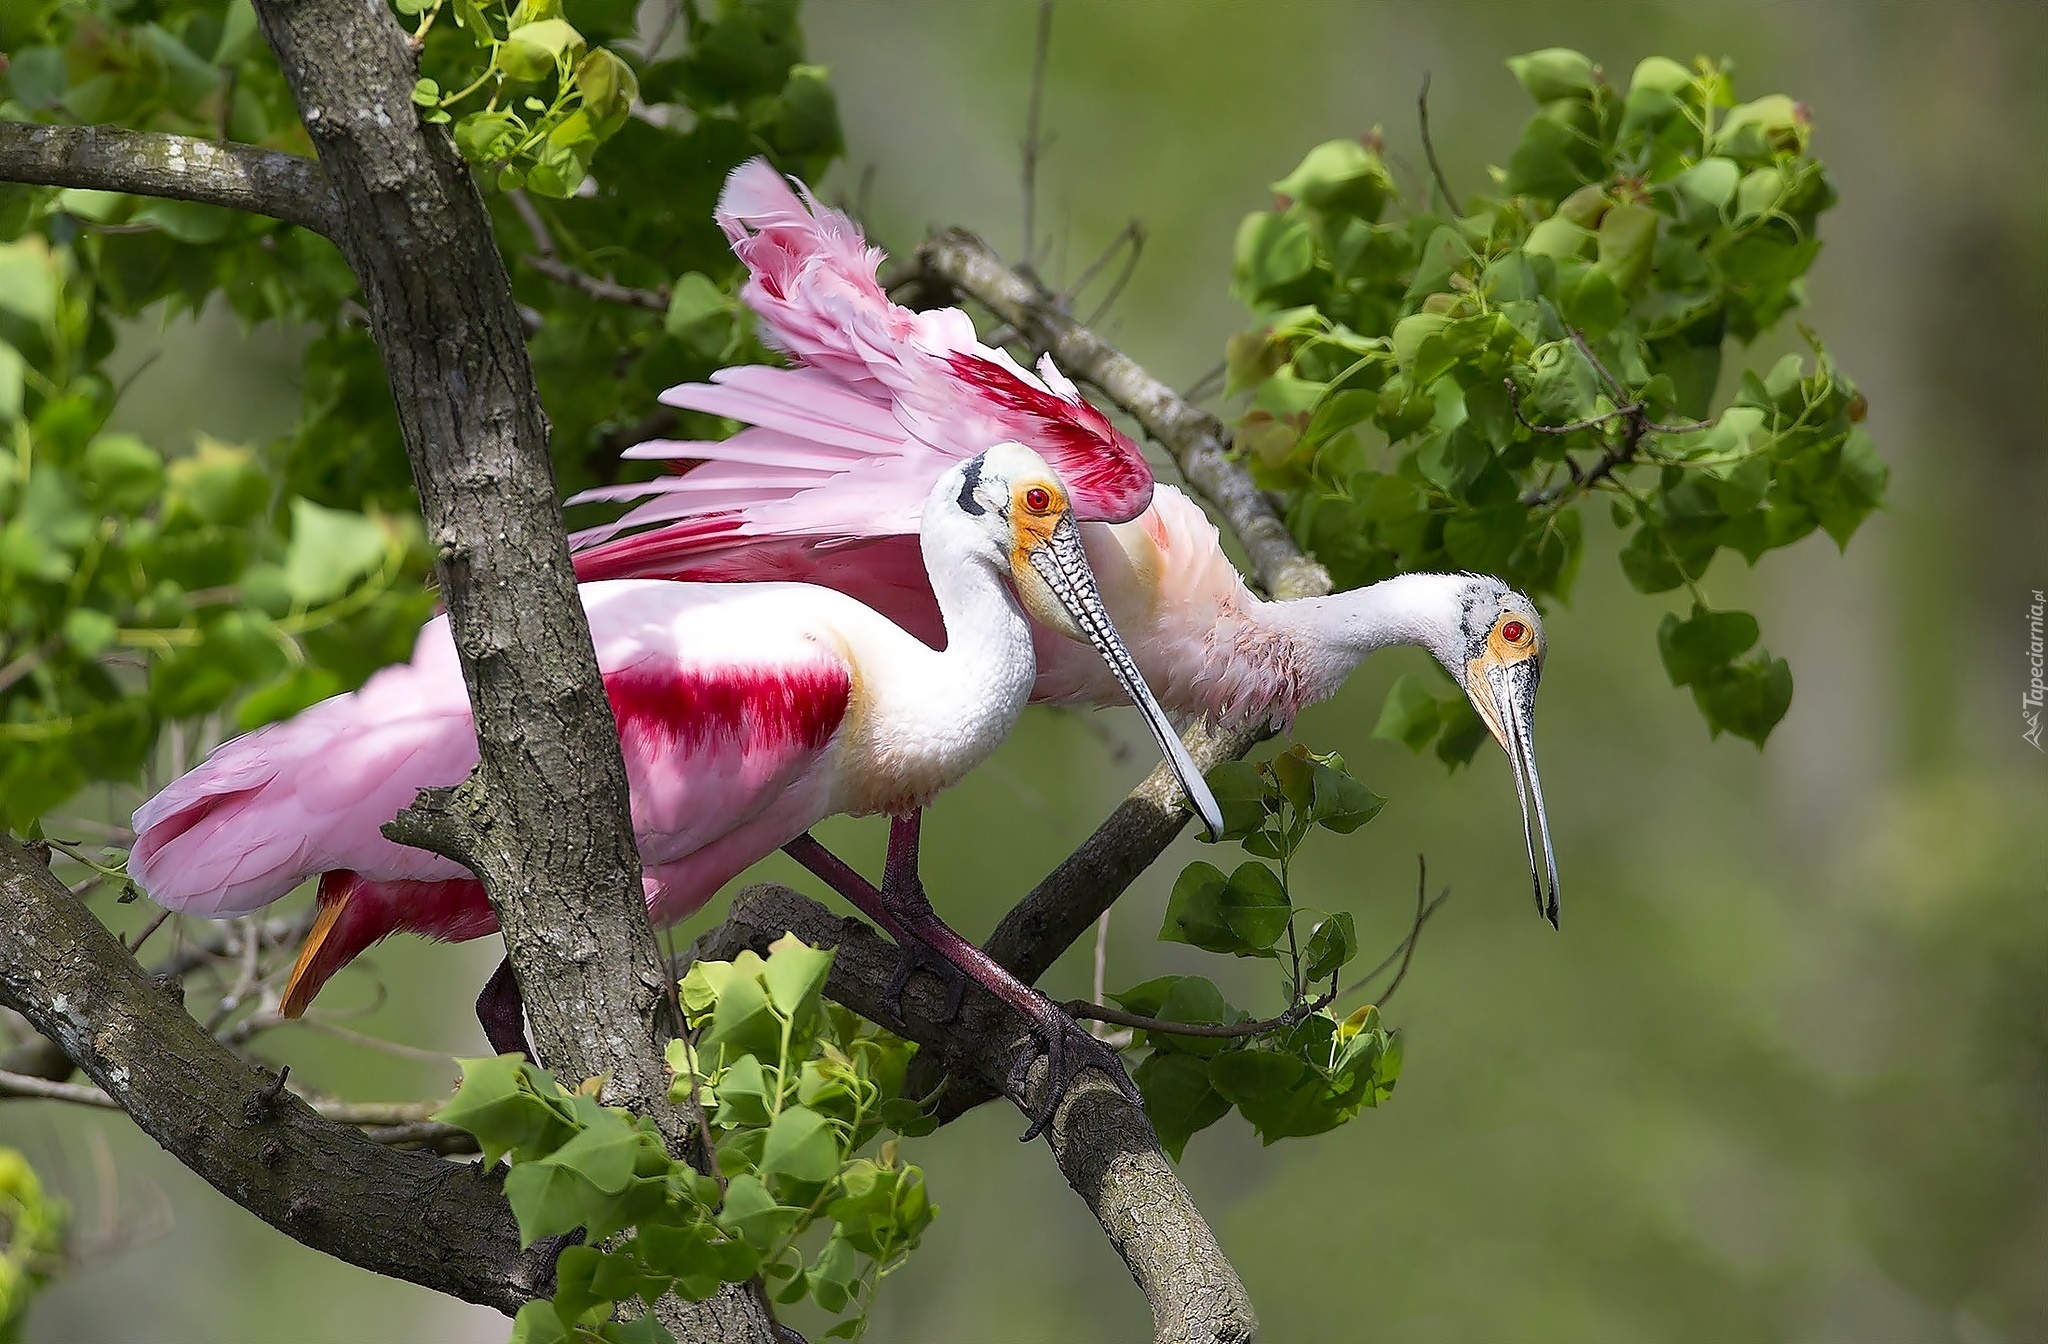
x=1784, y=1075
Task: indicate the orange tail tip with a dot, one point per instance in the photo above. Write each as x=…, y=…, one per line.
x=305, y=982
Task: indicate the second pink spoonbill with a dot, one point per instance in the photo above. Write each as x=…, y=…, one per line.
x=821, y=484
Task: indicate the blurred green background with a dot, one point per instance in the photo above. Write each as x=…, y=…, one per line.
x=1784, y=1075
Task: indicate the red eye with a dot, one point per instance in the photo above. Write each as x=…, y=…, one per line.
x=1513, y=631
x=1038, y=499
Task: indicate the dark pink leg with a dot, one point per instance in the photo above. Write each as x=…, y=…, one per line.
x=1069, y=1049
x=836, y=873
x=502, y=1012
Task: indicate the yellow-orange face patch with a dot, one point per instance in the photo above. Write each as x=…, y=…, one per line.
x=1036, y=508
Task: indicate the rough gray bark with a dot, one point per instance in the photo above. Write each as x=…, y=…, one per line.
x=178, y=167
x=543, y=821
x=1103, y=1144
x=408, y=1215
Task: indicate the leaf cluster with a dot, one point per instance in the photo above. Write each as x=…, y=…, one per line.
x=794, y=1090
x=1432, y=384
x=138, y=590
x=31, y=1240
x=1311, y=1071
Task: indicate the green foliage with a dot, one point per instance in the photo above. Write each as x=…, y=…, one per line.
x=1308, y=1071
x=31, y=1241
x=137, y=591
x=1432, y=384
x=794, y=1090
x=221, y=586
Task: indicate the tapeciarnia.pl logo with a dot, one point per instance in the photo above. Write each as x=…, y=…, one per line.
x=2037, y=662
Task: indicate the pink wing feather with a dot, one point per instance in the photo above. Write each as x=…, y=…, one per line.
x=883, y=401
x=715, y=737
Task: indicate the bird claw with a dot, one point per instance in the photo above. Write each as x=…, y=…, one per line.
x=914, y=954
x=1068, y=1051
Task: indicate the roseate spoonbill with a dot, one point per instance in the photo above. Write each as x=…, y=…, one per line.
x=747, y=713
x=820, y=488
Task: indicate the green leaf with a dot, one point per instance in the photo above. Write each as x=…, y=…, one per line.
x=1419, y=349
x=801, y=1146
x=217, y=483
x=1708, y=185
x=1555, y=72
x=609, y=87
x=795, y=976
x=751, y=1213
x=1628, y=239
x=1255, y=906
x=694, y=302
x=1194, y=911
x=1274, y=250
x=1333, y=943
x=89, y=631
x=500, y=1102
x=1339, y=176
x=1240, y=791
x=745, y=1094
x=548, y=1199
x=537, y=1323
x=1253, y=1079
x=602, y=1154
x=1410, y=714
x=532, y=50
x=1179, y=1099
x=1693, y=648
x=121, y=473
x=13, y=381
x=1195, y=999
x=1746, y=699
x=1660, y=74
x=744, y=1018
x=330, y=549
x=29, y=274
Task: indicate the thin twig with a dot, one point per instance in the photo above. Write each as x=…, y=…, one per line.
x=1429, y=147
x=1401, y=949
x=28, y=662
x=1208, y=385
x=1100, y=980
x=1586, y=349
x=1136, y=233
x=603, y=290
x=1296, y=1011
x=147, y=930
x=1133, y=233
x=1421, y=909
x=1033, y=148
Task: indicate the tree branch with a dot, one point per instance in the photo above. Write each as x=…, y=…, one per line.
x=543, y=821
x=1198, y=441
x=407, y=1215
x=176, y=167
x=1102, y=1143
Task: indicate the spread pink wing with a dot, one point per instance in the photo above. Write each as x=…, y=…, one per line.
x=722, y=719
x=884, y=400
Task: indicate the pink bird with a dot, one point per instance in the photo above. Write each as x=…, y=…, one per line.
x=746, y=714
x=821, y=484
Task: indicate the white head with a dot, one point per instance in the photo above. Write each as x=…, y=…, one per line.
x=1486, y=635
x=1007, y=509
x=1490, y=639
